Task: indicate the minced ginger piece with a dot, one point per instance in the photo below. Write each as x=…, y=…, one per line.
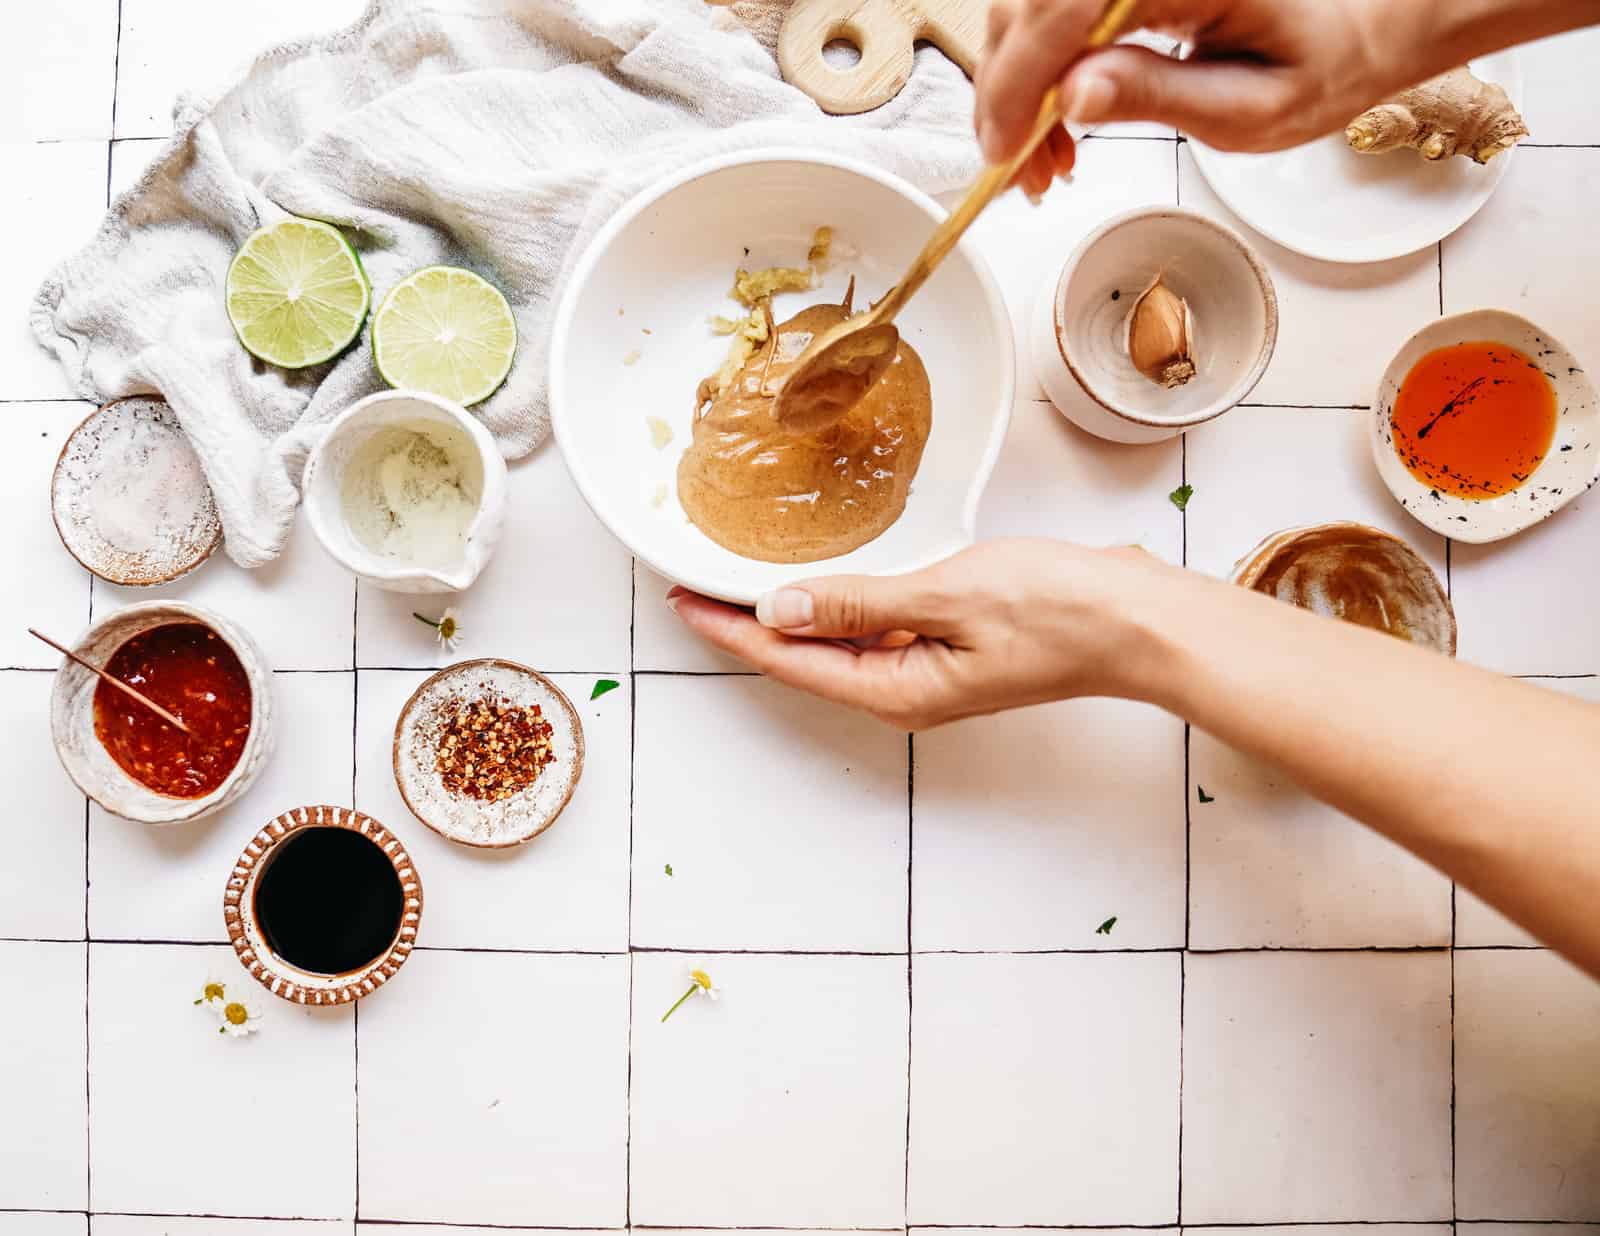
x=632, y=358
x=821, y=246
x=749, y=333
x=751, y=287
x=754, y=290
x=658, y=498
x=660, y=432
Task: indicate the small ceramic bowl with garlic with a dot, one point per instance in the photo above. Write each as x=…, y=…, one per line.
x=1160, y=320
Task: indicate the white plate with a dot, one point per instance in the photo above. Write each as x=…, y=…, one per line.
x=666, y=261
x=1326, y=201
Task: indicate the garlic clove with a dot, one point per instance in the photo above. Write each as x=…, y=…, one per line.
x=1160, y=336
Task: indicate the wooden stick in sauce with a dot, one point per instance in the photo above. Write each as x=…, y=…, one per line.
x=115, y=682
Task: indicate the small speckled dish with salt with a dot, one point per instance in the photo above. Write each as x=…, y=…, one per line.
x=129, y=497
x=457, y=817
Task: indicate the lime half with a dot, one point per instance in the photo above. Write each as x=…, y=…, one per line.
x=445, y=331
x=297, y=295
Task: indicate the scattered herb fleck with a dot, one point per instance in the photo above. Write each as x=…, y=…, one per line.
x=1105, y=928
x=604, y=686
x=1180, y=496
x=1204, y=797
x=669, y=868
x=1116, y=294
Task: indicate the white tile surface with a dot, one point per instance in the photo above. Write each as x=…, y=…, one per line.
x=1558, y=91
x=1527, y=605
x=1257, y=471
x=1541, y=203
x=1271, y=867
x=129, y=158
x=1338, y=325
x=171, y=47
x=56, y=196
x=299, y=608
x=1527, y=1087
x=41, y=853
x=784, y=818
x=1026, y=246
x=157, y=1063
x=1527, y=1229
x=43, y=1223
x=57, y=587
x=1042, y=1090
x=1316, y=1087
x=167, y=883
x=784, y=1102
x=565, y=889
x=554, y=596
x=171, y=1225
x=1330, y=1229
x=494, y=1090
x=660, y=641
x=43, y=1158
x=55, y=84
x=1039, y=804
x=1055, y=480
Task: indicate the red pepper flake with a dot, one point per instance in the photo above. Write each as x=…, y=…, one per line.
x=490, y=749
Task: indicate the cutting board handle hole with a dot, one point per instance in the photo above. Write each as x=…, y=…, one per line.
x=841, y=53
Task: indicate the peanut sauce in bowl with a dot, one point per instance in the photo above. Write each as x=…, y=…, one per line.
x=191, y=672
x=199, y=666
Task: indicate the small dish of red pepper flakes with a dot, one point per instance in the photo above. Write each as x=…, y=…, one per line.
x=491, y=749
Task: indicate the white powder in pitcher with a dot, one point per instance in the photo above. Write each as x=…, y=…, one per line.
x=412, y=494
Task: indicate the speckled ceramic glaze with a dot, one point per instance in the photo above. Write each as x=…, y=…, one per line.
x=513, y=820
x=1079, y=329
x=1571, y=467
x=289, y=982
x=87, y=762
x=1390, y=570
x=129, y=498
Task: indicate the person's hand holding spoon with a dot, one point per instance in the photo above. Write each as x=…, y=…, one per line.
x=841, y=364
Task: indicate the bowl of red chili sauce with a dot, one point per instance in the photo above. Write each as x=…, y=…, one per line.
x=197, y=665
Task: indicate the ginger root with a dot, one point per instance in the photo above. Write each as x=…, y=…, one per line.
x=1454, y=113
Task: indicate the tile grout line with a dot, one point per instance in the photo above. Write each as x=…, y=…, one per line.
x=1449, y=589
x=355, y=765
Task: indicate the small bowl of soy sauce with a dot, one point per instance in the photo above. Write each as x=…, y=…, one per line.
x=323, y=905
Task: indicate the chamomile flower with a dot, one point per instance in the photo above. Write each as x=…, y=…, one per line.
x=235, y=1017
x=212, y=993
x=700, y=985
x=447, y=627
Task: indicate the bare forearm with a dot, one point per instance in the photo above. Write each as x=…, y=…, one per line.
x=1494, y=781
x=1421, y=38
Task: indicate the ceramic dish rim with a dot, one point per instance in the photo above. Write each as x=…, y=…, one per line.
x=257, y=747
x=1433, y=516
x=702, y=579
x=580, y=748
x=55, y=516
x=1269, y=332
x=1203, y=154
x=245, y=876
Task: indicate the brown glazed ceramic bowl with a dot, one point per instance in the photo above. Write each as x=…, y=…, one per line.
x=289, y=982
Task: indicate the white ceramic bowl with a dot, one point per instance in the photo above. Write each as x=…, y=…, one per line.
x=1079, y=327
x=87, y=762
x=324, y=482
x=665, y=262
x=1571, y=466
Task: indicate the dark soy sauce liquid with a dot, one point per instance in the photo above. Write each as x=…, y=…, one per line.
x=329, y=901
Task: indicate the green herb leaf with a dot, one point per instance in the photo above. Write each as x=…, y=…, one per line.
x=1204, y=797
x=1180, y=496
x=603, y=686
x=1105, y=928
x=669, y=868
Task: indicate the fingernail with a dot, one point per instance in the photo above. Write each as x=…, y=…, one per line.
x=673, y=597
x=1092, y=97
x=786, y=609
x=1033, y=198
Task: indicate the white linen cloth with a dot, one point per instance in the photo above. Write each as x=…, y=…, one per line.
x=493, y=134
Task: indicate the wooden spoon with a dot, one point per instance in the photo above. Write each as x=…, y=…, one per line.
x=115, y=682
x=845, y=361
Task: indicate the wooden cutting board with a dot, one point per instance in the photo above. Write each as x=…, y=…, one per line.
x=885, y=32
